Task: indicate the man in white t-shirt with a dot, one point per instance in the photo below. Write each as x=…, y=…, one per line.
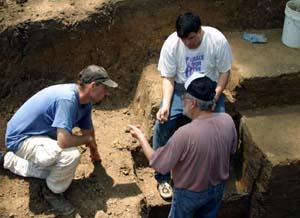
x=191, y=49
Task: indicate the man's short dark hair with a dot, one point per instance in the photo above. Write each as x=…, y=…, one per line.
x=187, y=23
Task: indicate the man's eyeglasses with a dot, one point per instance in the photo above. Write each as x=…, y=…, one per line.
x=186, y=96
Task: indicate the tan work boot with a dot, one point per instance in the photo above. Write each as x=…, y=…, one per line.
x=165, y=190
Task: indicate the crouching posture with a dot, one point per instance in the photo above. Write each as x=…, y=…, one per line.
x=39, y=136
x=198, y=154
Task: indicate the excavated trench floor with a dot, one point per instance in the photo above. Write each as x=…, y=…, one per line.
x=53, y=46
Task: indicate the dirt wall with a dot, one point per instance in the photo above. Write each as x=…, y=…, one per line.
x=268, y=91
x=122, y=36
x=269, y=199
x=119, y=35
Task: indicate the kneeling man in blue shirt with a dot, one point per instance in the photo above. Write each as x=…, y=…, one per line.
x=39, y=136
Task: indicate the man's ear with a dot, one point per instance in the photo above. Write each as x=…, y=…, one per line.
x=93, y=84
x=193, y=104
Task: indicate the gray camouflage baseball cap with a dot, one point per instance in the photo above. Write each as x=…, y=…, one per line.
x=94, y=73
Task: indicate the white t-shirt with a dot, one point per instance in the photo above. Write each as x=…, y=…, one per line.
x=212, y=57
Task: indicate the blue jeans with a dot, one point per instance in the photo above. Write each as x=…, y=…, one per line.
x=189, y=204
x=162, y=132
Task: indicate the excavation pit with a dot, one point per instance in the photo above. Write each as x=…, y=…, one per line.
x=48, y=42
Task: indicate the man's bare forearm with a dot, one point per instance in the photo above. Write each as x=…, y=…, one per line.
x=91, y=133
x=168, y=89
x=222, y=83
x=66, y=139
x=138, y=133
x=148, y=151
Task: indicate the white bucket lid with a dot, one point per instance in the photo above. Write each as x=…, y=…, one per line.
x=293, y=9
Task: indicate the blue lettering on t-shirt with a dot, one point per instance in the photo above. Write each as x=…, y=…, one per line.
x=193, y=64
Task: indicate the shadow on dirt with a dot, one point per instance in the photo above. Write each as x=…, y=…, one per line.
x=88, y=195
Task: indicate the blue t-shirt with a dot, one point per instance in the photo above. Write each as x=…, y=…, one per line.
x=51, y=108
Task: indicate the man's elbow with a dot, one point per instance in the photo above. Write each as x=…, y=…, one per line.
x=63, y=143
x=160, y=170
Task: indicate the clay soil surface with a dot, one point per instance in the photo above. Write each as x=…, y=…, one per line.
x=108, y=189
x=45, y=39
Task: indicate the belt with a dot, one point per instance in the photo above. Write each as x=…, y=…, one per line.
x=179, y=87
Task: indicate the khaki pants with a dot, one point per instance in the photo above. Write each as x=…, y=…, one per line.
x=41, y=157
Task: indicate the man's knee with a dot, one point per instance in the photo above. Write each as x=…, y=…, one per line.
x=41, y=150
x=70, y=156
x=63, y=172
x=58, y=187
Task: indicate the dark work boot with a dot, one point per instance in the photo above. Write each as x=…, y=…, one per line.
x=2, y=155
x=58, y=202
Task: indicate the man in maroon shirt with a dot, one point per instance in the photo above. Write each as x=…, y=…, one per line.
x=198, y=154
